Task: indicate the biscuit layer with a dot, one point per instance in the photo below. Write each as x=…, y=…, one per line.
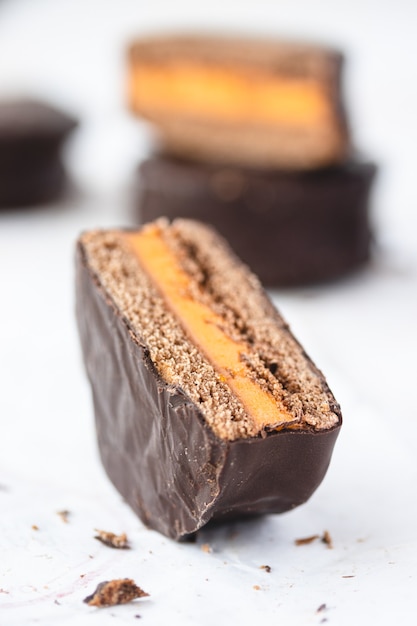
x=249, y=102
x=259, y=346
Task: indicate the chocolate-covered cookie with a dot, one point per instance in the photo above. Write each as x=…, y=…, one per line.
x=254, y=102
x=31, y=137
x=292, y=228
x=206, y=406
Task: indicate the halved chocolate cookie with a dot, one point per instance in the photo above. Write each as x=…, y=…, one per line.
x=206, y=405
x=259, y=103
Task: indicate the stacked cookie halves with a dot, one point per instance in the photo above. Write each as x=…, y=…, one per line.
x=253, y=139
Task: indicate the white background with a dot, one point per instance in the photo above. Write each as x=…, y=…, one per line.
x=360, y=331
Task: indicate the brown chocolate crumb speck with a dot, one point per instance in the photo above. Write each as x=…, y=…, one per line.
x=35, y=527
x=112, y=540
x=267, y=568
x=306, y=540
x=326, y=538
x=206, y=548
x=63, y=515
x=321, y=608
x=112, y=592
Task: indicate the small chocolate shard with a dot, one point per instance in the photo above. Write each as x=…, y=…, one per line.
x=112, y=592
x=326, y=538
x=206, y=547
x=64, y=514
x=306, y=540
x=112, y=540
x=267, y=568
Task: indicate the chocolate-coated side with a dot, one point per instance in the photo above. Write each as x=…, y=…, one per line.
x=159, y=452
x=291, y=228
x=32, y=184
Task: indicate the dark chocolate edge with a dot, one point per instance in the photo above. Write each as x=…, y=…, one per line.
x=56, y=129
x=218, y=479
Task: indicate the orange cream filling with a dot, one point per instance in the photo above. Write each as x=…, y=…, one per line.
x=226, y=95
x=204, y=328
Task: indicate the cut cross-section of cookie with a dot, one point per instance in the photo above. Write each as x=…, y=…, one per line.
x=246, y=101
x=205, y=329
x=206, y=405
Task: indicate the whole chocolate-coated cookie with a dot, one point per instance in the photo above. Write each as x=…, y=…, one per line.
x=291, y=228
x=32, y=134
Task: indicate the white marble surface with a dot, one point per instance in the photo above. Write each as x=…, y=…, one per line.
x=360, y=331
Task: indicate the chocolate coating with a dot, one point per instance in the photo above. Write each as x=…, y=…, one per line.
x=31, y=137
x=156, y=447
x=291, y=228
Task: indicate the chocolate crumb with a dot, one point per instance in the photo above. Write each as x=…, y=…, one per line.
x=112, y=592
x=206, y=548
x=326, y=538
x=267, y=568
x=35, y=527
x=321, y=608
x=349, y=576
x=112, y=540
x=306, y=540
x=63, y=515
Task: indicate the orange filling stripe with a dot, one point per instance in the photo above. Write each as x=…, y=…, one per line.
x=225, y=95
x=204, y=327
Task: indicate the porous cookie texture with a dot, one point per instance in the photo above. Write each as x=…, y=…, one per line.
x=275, y=359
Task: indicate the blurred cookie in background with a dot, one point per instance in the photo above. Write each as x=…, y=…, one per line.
x=252, y=136
x=293, y=228
x=243, y=101
x=32, y=136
